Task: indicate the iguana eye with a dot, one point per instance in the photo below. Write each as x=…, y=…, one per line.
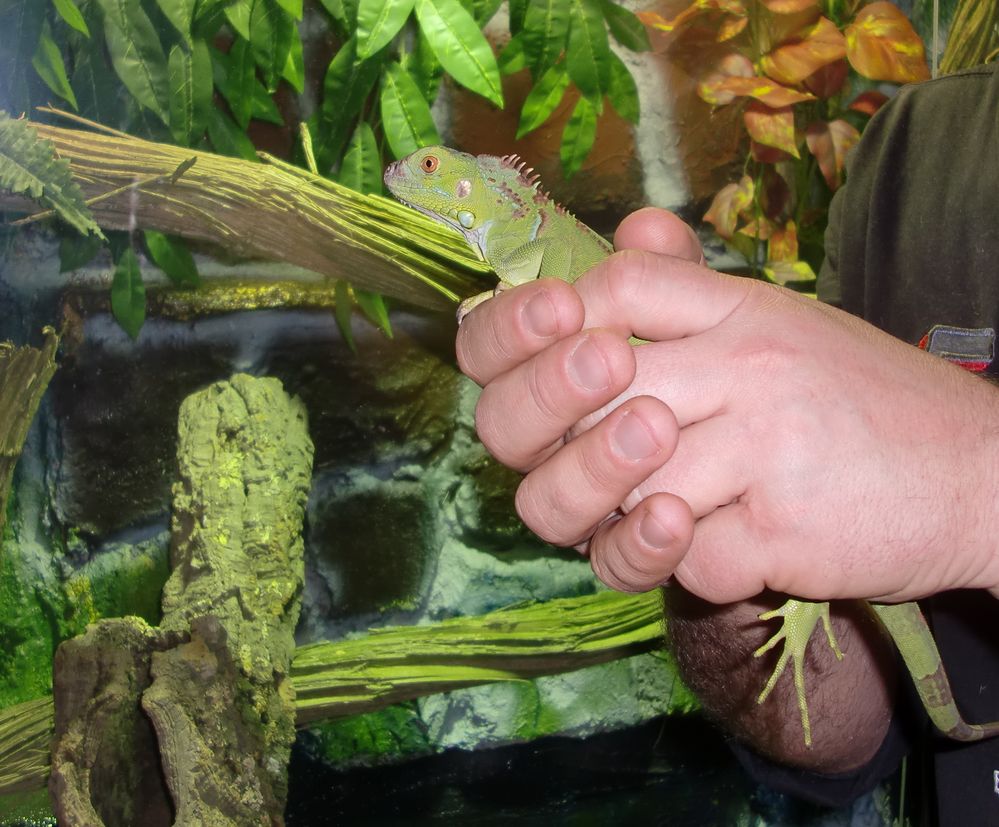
x=430, y=163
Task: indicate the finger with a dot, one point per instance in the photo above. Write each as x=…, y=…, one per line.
x=584, y=481
x=523, y=414
x=514, y=325
x=640, y=550
x=726, y=560
x=659, y=297
x=707, y=469
x=659, y=231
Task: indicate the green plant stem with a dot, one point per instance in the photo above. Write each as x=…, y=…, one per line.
x=337, y=678
x=270, y=211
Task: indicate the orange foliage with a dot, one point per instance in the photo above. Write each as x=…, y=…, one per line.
x=789, y=69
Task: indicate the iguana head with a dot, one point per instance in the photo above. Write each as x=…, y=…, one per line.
x=444, y=184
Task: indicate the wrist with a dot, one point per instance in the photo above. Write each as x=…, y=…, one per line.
x=979, y=493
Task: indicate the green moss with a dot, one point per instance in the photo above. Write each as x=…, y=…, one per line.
x=128, y=579
x=376, y=737
x=27, y=641
x=27, y=809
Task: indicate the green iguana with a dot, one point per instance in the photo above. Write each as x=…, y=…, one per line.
x=523, y=234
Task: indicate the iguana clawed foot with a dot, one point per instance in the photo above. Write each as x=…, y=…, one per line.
x=469, y=304
x=799, y=620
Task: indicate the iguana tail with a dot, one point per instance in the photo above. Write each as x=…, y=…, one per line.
x=908, y=628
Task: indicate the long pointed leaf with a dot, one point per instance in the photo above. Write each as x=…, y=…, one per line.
x=406, y=117
x=347, y=83
x=271, y=33
x=362, y=165
x=627, y=29
x=543, y=99
x=623, y=92
x=128, y=294
x=71, y=15
x=136, y=54
x=238, y=15
x=588, y=53
x=378, y=21
x=180, y=13
x=577, y=140
x=173, y=258
x=47, y=61
x=460, y=46
x=546, y=25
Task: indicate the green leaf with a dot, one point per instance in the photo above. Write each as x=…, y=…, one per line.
x=76, y=251
x=425, y=68
x=235, y=76
x=71, y=16
x=173, y=258
x=238, y=15
x=97, y=86
x=627, y=29
x=482, y=10
x=227, y=138
x=128, y=294
x=460, y=46
x=373, y=306
x=47, y=61
x=378, y=21
x=337, y=12
x=343, y=311
x=294, y=67
x=292, y=7
x=271, y=34
x=361, y=169
x=512, y=58
x=622, y=91
x=588, y=53
x=406, y=117
x=518, y=11
x=543, y=99
x=578, y=137
x=546, y=24
x=136, y=54
x=29, y=166
x=344, y=306
x=347, y=84
x=180, y=13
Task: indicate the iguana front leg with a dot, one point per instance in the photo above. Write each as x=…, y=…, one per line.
x=522, y=264
x=799, y=620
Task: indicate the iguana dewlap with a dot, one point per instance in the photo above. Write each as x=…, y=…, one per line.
x=523, y=234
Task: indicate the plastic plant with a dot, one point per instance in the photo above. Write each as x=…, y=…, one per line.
x=804, y=73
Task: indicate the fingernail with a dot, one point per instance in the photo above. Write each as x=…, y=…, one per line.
x=587, y=367
x=653, y=533
x=633, y=438
x=539, y=316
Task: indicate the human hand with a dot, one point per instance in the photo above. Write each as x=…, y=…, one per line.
x=780, y=443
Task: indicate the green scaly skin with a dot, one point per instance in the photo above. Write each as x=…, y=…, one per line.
x=496, y=204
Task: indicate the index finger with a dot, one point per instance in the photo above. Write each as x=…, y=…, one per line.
x=658, y=297
x=515, y=325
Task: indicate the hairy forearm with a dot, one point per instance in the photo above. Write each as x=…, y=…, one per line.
x=850, y=700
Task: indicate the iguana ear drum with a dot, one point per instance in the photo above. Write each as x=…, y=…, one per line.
x=463, y=189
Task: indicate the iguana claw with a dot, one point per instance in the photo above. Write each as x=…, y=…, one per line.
x=800, y=618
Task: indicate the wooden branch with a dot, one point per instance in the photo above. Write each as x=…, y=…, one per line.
x=337, y=678
x=24, y=375
x=271, y=211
